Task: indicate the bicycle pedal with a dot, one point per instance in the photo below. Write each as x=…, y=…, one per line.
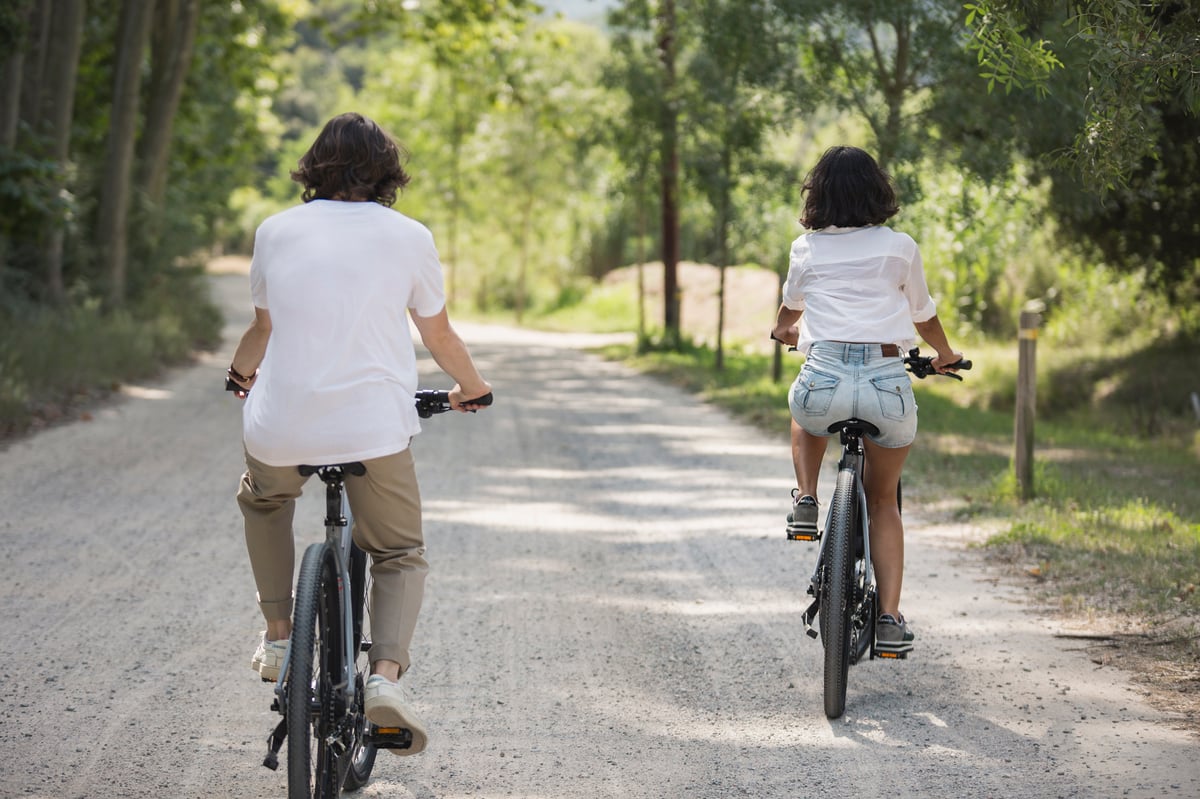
x=887, y=654
x=389, y=737
x=804, y=536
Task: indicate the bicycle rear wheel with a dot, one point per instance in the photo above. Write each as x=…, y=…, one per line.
x=837, y=592
x=362, y=755
x=313, y=705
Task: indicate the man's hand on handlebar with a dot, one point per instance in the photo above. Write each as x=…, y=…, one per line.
x=238, y=383
x=465, y=402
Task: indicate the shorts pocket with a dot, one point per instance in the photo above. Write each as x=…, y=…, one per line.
x=814, y=392
x=895, y=396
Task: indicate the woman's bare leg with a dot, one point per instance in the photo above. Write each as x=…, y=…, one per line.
x=881, y=480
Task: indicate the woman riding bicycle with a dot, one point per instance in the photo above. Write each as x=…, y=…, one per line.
x=334, y=373
x=857, y=289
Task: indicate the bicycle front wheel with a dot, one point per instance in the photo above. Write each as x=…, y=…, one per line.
x=837, y=588
x=313, y=703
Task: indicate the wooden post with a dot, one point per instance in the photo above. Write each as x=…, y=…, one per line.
x=1026, y=400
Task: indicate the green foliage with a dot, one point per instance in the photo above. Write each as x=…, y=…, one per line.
x=1006, y=55
x=52, y=357
x=1137, y=58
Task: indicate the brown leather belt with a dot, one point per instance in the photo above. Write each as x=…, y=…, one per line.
x=886, y=350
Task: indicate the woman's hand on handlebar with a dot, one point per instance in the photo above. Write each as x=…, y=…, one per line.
x=786, y=334
x=464, y=401
x=945, y=364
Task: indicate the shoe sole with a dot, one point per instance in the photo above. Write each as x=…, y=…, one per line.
x=268, y=673
x=390, y=717
x=897, y=648
x=802, y=532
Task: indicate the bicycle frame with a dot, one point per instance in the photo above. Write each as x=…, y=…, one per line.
x=338, y=537
x=339, y=524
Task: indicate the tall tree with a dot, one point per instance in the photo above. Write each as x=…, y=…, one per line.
x=172, y=39
x=667, y=31
x=58, y=109
x=873, y=57
x=133, y=33
x=14, y=24
x=739, y=62
x=469, y=40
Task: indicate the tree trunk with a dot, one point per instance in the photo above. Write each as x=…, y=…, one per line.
x=115, y=190
x=171, y=44
x=10, y=99
x=670, y=176
x=33, y=69
x=59, y=107
x=723, y=214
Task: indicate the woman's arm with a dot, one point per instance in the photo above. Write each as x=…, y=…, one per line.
x=931, y=330
x=785, y=329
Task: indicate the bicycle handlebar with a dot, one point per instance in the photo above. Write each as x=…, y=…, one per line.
x=922, y=366
x=428, y=401
x=431, y=401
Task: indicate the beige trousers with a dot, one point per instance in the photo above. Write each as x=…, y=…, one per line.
x=386, y=504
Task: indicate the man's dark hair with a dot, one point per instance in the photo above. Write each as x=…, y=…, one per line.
x=352, y=159
x=847, y=189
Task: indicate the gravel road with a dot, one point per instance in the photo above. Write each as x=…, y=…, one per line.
x=613, y=611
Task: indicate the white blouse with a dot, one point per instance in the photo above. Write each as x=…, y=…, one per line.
x=864, y=284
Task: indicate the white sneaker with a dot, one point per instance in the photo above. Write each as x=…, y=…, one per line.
x=385, y=706
x=269, y=657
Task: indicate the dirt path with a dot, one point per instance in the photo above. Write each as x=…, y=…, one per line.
x=612, y=612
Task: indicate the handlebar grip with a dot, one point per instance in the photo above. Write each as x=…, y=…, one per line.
x=486, y=399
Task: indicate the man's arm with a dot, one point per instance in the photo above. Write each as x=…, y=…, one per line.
x=453, y=357
x=251, y=349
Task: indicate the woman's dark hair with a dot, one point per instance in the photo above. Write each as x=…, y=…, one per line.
x=847, y=189
x=352, y=159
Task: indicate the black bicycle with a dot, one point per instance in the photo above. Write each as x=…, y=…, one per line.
x=843, y=583
x=319, y=694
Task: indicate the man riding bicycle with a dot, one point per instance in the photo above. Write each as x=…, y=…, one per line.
x=333, y=368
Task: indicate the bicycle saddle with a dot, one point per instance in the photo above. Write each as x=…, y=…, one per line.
x=354, y=468
x=859, y=426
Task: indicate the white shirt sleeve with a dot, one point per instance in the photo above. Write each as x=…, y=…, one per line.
x=428, y=296
x=258, y=278
x=793, y=294
x=916, y=291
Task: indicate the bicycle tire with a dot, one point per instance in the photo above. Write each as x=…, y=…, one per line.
x=312, y=711
x=837, y=588
x=361, y=760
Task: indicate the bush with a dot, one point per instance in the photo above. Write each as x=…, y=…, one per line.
x=52, y=356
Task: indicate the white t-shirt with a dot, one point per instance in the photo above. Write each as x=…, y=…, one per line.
x=339, y=377
x=863, y=284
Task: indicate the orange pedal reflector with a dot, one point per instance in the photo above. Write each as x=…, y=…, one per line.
x=388, y=730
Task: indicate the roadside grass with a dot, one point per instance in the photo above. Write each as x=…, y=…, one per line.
x=54, y=360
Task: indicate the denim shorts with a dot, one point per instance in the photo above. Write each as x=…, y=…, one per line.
x=842, y=381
